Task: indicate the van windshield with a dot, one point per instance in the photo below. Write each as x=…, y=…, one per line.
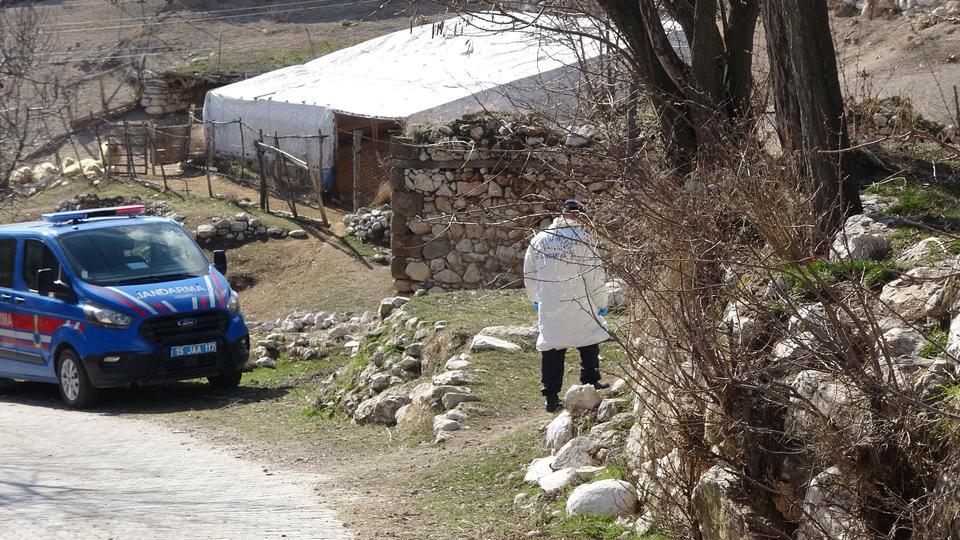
x=129, y=255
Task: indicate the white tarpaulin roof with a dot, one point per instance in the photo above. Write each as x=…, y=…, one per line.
x=428, y=73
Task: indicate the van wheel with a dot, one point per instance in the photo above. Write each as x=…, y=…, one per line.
x=75, y=387
x=226, y=379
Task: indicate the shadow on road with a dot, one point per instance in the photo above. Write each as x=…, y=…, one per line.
x=183, y=396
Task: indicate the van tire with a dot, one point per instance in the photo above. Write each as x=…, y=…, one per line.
x=75, y=387
x=226, y=379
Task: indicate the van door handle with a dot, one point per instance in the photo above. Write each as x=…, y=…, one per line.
x=5, y=297
x=19, y=299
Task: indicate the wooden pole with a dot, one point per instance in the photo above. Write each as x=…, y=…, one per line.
x=146, y=150
x=956, y=105
x=313, y=50
x=209, y=136
x=151, y=145
x=318, y=191
x=282, y=168
x=264, y=200
x=103, y=157
x=357, y=134
x=156, y=157
x=243, y=149
x=131, y=172
x=189, y=132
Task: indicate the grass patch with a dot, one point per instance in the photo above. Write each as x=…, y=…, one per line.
x=288, y=373
x=937, y=342
x=921, y=202
x=807, y=278
x=261, y=61
x=365, y=250
x=473, y=492
x=471, y=311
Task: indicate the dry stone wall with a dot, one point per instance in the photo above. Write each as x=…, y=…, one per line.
x=170, y=93
x=463, y=216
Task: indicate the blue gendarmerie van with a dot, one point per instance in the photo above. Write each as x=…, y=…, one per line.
x=108, y=298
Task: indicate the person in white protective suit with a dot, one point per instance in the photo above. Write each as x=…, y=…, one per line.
x=565, y=281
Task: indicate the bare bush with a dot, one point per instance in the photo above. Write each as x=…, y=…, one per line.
x=30, y=92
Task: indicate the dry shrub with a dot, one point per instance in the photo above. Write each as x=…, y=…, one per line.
x=733, y=367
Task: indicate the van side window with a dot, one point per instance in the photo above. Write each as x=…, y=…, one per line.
x=8, y=251
x=37, y=256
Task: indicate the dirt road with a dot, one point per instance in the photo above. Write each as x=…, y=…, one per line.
x=68, y=474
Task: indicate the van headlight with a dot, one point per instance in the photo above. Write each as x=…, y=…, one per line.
x=106, y=317
x=233, y=304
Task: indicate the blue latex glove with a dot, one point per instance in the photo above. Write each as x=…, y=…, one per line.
x=536, y=307
x=603, y=311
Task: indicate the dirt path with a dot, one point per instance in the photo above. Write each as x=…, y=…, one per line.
x=68, y=474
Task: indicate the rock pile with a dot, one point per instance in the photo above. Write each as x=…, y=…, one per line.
x=579, y=452
x=92, y=200
x=895, y=115
x=168, y=94
x=241, y=228
x=370, y=226
x=391, y=380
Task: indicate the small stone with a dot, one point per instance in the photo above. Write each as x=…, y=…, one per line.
x=298, y=234
x=581, y=398
x=487, y=343
x=455, y=377
x=266, y=362
x=452, y=399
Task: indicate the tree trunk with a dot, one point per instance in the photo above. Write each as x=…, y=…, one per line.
x=680, y=137
x=809, y=106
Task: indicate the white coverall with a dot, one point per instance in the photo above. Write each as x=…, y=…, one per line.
x=562, y=272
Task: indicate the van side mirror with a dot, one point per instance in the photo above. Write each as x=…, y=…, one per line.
x=47, y=285
x=220, y=261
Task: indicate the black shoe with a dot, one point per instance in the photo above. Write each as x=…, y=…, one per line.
x=600, y=385
x=553, y=403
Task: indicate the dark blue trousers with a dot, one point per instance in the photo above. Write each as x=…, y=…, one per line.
x=551, y=367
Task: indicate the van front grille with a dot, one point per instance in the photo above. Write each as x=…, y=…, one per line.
x=183, y=325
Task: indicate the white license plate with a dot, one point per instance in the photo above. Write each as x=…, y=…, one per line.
x=193, y=350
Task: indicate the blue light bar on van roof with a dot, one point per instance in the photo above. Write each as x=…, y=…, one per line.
x=116, y=211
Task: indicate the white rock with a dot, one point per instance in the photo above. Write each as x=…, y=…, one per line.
x=719, y=514
x=839, y=406
x=297, y=233
x=746, y=328
x=861, y=238
x=901, y=341
x=581, y=398
x=604, y=497
x=381, y=409
x=575, y=453
x=487, y=343
x=266, y=362
x=206, y=231
x=559, y=431
x=461, y=361
x=459, y=416
x=828, y=509
x=619, y=387
x=442, y=423
x=451, y=400
x=418, y=271
x=608, y=409
x=920, y=293
x=931, y=247
x=524, y=335
x=558, y=480
x=454, y=377
x=537, y=469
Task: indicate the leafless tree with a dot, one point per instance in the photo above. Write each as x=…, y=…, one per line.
x=30, y=91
